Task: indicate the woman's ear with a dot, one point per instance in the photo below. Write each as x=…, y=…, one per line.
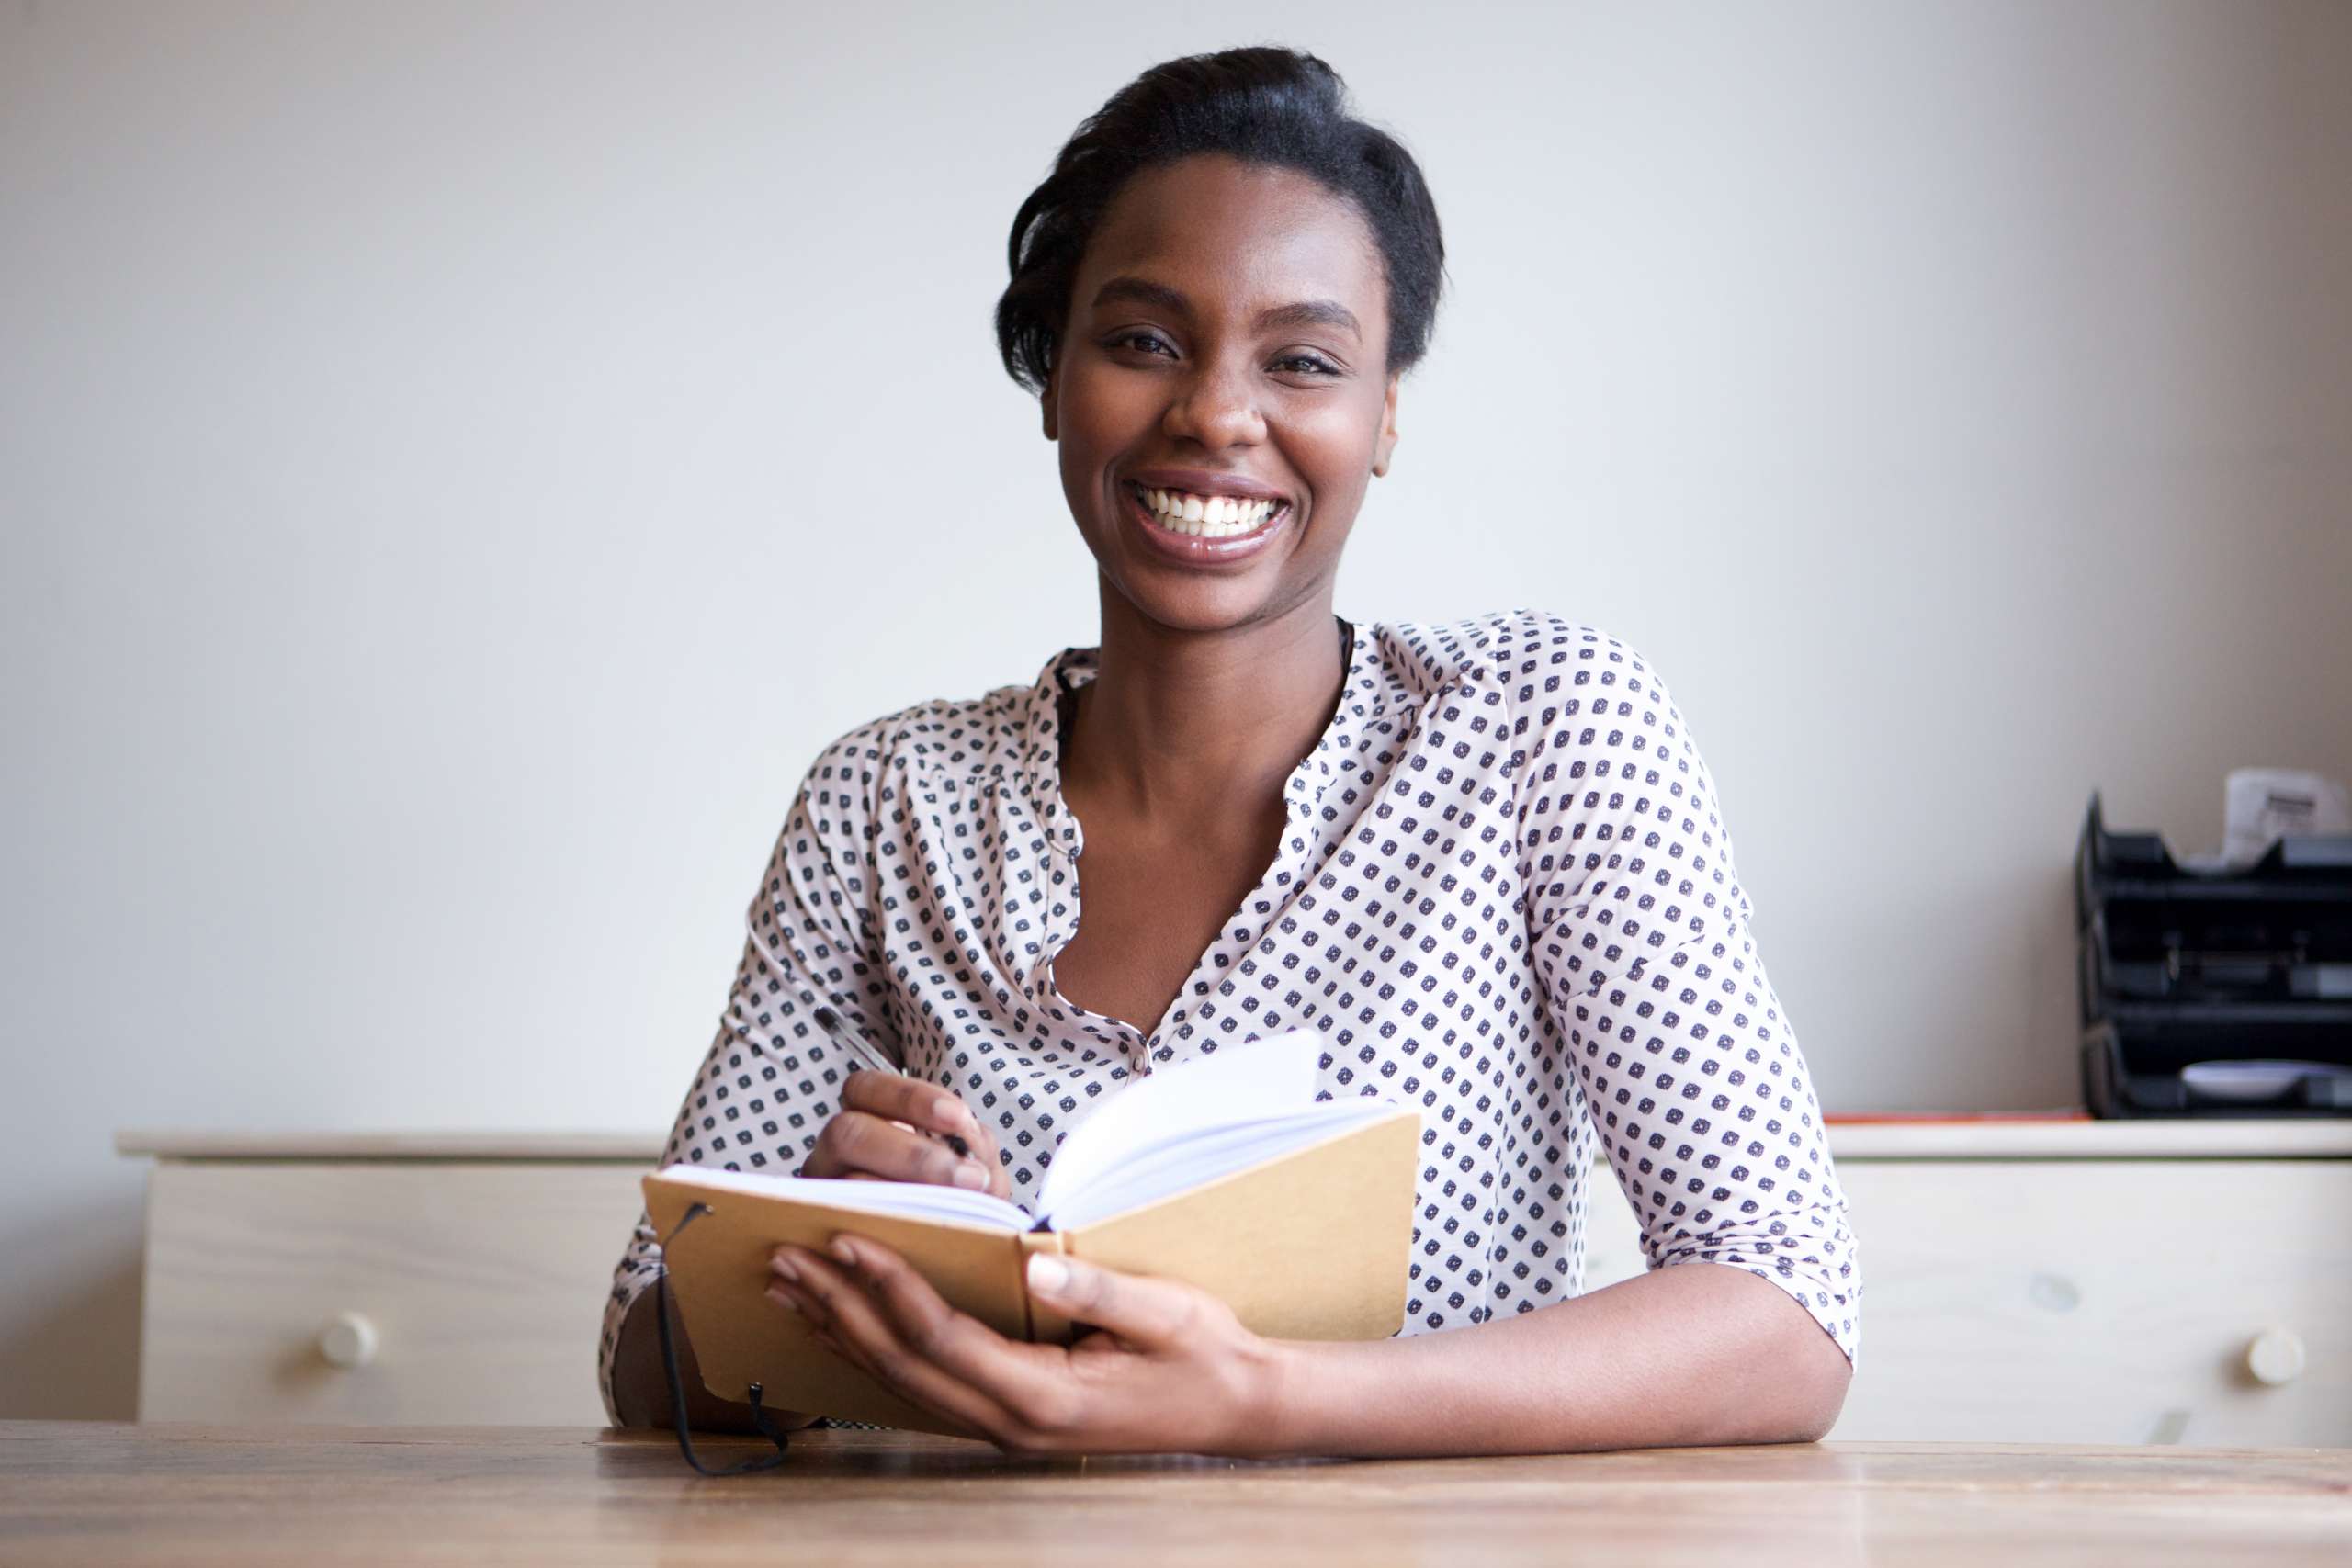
x=1387, y=442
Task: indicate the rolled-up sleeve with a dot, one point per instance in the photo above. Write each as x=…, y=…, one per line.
x=1698, y=1095
x=772, y=1079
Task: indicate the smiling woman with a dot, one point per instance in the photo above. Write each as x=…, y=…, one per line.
x=1481, y=859
x=1181, y=359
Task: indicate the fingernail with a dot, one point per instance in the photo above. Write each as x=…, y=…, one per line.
x=972, y=1176
x=842, y=1250
x=784, y=1268
x=1046, y=1273
x=783, y=1298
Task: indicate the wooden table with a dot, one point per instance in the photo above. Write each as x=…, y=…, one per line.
x=87, y=1493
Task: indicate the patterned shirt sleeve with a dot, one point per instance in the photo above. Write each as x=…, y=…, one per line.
x=1693, y=1080
x=771, y=1080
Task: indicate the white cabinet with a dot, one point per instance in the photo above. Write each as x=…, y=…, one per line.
x=2104, y=1282
x=396, y=1290
x=2080, y=1294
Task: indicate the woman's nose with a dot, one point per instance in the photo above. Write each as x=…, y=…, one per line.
x=1217, y=407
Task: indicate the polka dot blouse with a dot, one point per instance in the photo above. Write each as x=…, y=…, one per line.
x=1507, y=897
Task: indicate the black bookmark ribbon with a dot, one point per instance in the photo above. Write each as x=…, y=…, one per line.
x=763, y=1419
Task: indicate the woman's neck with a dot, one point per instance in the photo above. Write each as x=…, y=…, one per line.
x=1195, y=729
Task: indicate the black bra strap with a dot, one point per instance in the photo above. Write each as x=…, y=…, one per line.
x=763, y=1419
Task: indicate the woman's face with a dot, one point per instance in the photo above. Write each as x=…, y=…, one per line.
x=1225, y=357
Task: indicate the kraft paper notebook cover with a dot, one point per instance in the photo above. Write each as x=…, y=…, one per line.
x=1223, y=1171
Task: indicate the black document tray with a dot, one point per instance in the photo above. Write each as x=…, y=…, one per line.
x=2232, y=951
x=2132, y=1066
x=2179, y=967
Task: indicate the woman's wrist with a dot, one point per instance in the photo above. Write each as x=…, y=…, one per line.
x=1282, y=1415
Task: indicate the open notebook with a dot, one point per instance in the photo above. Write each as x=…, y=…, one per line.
x=1223, y=1170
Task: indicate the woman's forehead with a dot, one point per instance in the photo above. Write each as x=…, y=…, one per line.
x=1249, y=234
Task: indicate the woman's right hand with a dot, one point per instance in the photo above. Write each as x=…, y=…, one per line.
x=895, y=1128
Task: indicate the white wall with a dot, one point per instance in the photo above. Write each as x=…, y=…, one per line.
x=454, y=462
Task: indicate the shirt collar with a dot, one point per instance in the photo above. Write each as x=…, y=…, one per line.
x=1363, y=699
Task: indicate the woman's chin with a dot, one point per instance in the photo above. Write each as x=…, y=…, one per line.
x=1188, y=604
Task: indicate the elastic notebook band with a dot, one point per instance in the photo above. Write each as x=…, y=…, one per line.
x=763, y=1419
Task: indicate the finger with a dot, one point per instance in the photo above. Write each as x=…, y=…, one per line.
x=1146, y=1313
x=794, y=1299
x=958, y=1427
x=909, y=1103
x=857, y=1139
x=798, y=1298
x=788, y=1287
x=983, y=1145
x=897, y=1098
x=978, y=1146
x=1032, y=1383
x=840, y=1304
x=798, y=1301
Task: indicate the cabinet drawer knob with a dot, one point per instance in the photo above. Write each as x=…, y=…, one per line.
x=350, y=1340
x=2276, y=1357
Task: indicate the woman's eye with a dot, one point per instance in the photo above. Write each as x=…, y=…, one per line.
x=1148, y=342
x=1313, y=365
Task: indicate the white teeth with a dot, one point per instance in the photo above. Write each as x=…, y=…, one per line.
x=1213, y=517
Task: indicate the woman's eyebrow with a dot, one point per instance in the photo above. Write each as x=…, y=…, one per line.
x=1312, y=313
x=1142, y=292
x=1305, y=313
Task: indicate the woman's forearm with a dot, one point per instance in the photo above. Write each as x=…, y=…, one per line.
x=1694, y=1354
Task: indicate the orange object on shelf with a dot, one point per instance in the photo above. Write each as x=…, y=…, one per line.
x=1851, y=1118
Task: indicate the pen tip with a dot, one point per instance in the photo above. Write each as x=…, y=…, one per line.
x=826, y=1017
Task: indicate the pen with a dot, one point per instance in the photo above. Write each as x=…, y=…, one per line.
x=836, y=1030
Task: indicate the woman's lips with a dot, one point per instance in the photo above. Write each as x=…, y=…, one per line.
x=1191, y=550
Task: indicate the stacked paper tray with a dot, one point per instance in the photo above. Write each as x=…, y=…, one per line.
x=2214, y=993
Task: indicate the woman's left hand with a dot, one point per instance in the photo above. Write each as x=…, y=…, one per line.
x=1168, y=1369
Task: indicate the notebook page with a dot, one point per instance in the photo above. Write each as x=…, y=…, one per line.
x=910, y=1199
x=1251, y=1082
x=1166, y=1170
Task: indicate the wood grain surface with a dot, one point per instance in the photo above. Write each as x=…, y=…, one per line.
x=1969, y=1137
x=85, y=1493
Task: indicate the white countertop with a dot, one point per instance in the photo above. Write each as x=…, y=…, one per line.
x=2216, y=1138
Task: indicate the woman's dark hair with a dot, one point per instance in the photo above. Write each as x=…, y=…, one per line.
x=1264, y=105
